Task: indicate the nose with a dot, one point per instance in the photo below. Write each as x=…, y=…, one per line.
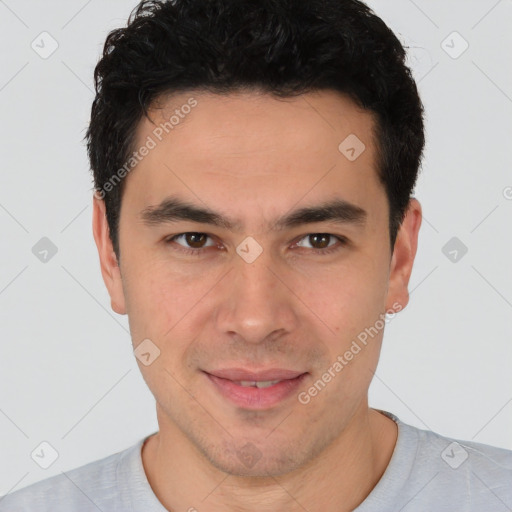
x=256, y=303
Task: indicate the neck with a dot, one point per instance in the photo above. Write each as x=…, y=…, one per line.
x=338, y=480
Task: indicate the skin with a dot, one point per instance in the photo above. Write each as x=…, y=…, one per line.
x=253, y=158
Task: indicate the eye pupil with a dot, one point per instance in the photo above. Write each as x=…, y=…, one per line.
x=317, y=236
x=192, y=239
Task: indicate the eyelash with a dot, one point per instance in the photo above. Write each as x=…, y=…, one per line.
x=198, y=252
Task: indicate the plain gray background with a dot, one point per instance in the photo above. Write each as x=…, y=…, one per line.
x=68, y=374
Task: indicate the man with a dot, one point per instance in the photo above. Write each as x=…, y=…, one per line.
x=254, y=164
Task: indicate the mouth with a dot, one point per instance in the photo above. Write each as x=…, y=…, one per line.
x=256, y=390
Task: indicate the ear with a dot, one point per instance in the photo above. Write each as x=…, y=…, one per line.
x=108, y=260
x=403, y=258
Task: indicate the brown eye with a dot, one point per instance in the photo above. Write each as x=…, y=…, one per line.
x=194, y=242
x=323, y=243
x=320, y=240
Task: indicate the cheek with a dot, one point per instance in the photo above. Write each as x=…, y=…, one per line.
x=163, y=305
x=346, y=298
x=152, y=300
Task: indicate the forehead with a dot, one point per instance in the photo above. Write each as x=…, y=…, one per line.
x=255, y=151
x=236, y=123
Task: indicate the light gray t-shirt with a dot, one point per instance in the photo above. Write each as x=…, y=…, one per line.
x=427, y=473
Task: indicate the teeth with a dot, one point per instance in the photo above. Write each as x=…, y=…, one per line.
x=261, y=384
x=246, y=383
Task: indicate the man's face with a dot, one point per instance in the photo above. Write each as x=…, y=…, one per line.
x=224, y=308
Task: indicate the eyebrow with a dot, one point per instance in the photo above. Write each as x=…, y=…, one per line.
x=173, y=209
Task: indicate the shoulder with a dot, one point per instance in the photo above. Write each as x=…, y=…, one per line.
x=429, y=471
x=461, y=454
x=85, y=488
x=474, y=474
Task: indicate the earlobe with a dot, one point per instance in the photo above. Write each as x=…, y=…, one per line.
x=402, y=260
x=108, y=260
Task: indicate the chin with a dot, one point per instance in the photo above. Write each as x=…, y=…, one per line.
x=248, y=459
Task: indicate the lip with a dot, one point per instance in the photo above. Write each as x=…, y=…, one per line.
x=248, y=397
x=237, y=374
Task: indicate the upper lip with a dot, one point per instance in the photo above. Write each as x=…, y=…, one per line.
x=241, y=374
